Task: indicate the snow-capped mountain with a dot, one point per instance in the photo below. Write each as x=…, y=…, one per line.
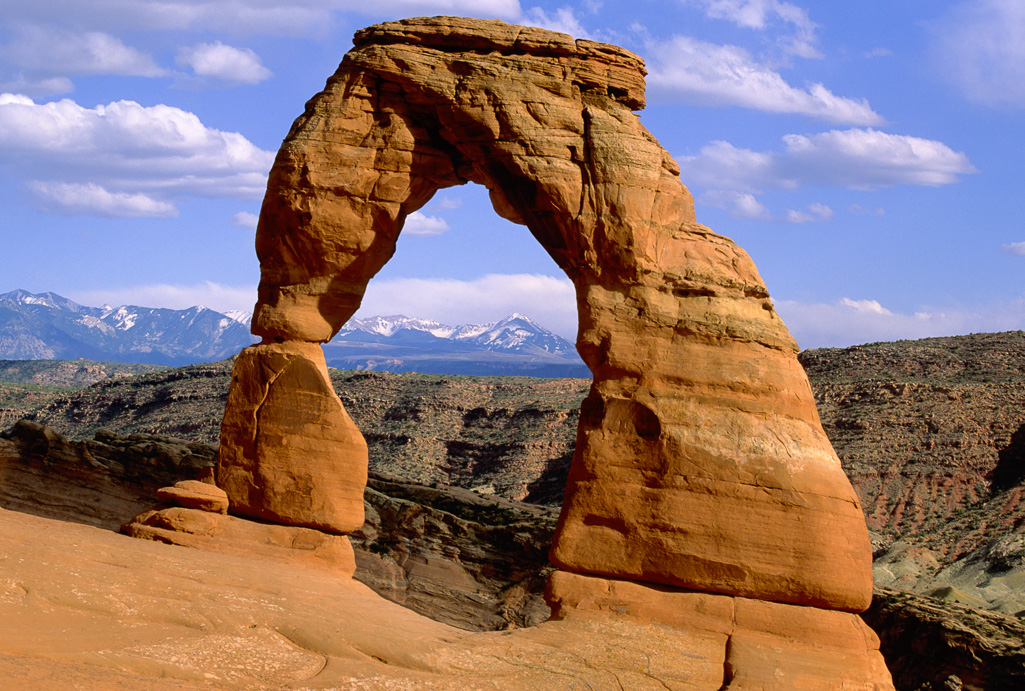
x=397, y=343
x=514, y=334
x=49, y=326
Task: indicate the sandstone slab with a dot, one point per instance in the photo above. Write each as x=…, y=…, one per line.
x=193, y=494
x=290, y=453
x=217, y=532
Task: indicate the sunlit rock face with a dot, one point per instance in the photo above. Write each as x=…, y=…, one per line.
x=700, y=462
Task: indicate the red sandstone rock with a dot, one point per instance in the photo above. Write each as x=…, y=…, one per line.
x=289, y=452
x=764, y=644
x=215, y=532
x=700, y=460
x=193, y=494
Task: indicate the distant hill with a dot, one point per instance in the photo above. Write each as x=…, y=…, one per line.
x=513, y=346
x=48, y=326
x=79, y=372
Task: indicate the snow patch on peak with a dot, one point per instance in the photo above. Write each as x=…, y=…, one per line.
x=241, y=316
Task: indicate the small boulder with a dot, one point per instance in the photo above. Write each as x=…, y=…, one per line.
x=193, y=494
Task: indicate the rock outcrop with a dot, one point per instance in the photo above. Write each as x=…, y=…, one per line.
x=700, y=462
x=195, y=516
x=289, y=452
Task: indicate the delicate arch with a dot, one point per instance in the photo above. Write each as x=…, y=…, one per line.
x=700, y=460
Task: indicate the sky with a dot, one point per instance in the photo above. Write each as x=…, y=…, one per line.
x=868, y=156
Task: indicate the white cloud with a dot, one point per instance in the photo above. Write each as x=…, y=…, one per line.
x=720, y=165
x=548, y=300
x=745, y=205
x=865, y=307
x=216, y=296
x=701, y=73
x=125, y=148
x=867, y=158
x=245, y=220
x=1015, y=249
x=224, y=63
x=563, y=19
x=849, y=322
x=815, y=212
x=738, y=204
x=447, y=203
x=760, y=14
x=980, y=47
x=854, y=158
x=860, y=210
x=422, y=225
x=45, y=51
x=46, y=86
x=92, y=200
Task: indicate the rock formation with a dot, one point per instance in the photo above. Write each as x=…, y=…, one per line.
x=700, y=462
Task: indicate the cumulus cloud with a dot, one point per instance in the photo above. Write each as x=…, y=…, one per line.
x=216, y=296
x=422, y=225
x=850, y=321
x=549, y=300
x=701, y=73
x=761, y=14
x=45, y=52
x=92, y=200
x=245, y=220
x=223, y=63
x=128, y=149
x=980, y=47
x=855, y=158
x=1015, y=249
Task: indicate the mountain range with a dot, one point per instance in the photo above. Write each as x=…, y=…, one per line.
x=515, y=345
x=48, y=326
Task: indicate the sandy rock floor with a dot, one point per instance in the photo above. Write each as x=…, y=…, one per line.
x=87, y=608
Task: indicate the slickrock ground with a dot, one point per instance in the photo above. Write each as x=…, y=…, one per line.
x=86, y=608
x=89, y=609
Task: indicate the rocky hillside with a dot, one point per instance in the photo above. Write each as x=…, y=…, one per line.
x=928, y=428
x=509, y=436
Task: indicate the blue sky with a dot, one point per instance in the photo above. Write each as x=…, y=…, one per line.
x=868, y=155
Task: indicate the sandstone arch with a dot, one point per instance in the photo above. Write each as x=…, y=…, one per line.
x=700, y=461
